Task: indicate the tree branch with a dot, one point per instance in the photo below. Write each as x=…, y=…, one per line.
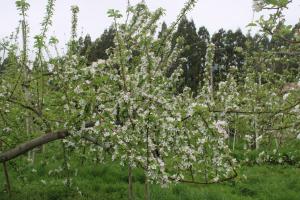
x=44, y=139
x=23, y=148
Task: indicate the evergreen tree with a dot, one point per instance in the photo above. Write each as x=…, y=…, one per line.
x=220, y=54
x=229, y=47
x=85, y=44
x=192, y=66
x=204, y=39
x=164, y=27
x=98, y=48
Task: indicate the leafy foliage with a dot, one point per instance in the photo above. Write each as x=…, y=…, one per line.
x=158, y=101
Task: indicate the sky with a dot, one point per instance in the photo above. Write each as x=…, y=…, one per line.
x=213, y=14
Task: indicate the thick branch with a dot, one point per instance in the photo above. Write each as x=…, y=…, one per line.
x=44, y=139
x=23, y=148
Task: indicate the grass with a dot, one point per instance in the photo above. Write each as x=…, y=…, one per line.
x=109, y=181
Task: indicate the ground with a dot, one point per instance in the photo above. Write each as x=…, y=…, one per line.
x=109, y=181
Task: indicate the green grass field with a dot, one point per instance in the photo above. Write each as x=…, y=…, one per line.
x=109, y=181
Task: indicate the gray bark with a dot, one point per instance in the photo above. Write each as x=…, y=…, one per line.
x=25, y=147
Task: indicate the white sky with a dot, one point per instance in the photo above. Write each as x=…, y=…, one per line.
x=213, y=14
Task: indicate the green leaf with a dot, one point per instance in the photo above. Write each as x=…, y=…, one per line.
x=252, y=24
x=114, y=13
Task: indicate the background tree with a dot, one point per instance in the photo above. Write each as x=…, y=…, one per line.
x=98, y=48
x=192, y=65
x=85, y=45
x=229, y=46
x=204, y=40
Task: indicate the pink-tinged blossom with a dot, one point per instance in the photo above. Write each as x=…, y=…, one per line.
x=221, y=127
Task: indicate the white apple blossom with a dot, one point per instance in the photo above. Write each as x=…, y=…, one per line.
x=258, y=5
x=221, y=127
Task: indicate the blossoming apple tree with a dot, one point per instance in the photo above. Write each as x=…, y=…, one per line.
x=127, y=107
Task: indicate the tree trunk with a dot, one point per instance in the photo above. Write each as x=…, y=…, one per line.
x=7, y=178
x=147, y=190
x=130, y=184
